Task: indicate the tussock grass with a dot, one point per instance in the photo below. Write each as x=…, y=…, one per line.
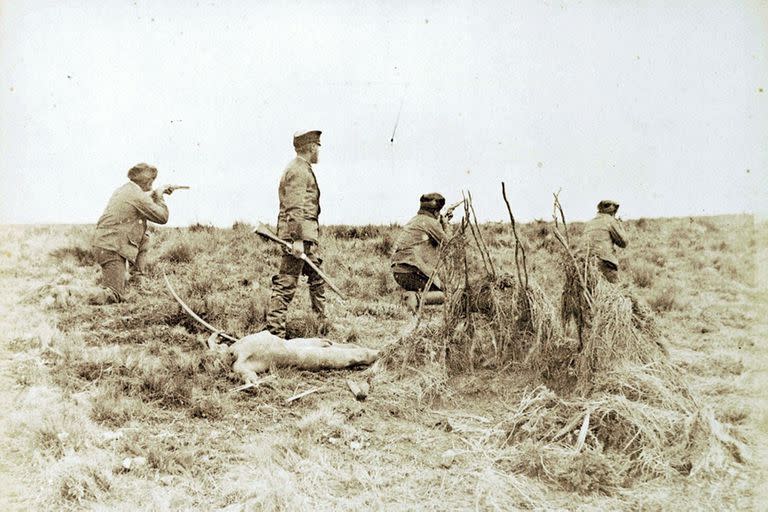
x=78, y=479
x=178, y=253
x=80, y=255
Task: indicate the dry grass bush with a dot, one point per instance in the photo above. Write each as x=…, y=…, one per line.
x=78, y=479
x=205, y=228
x=618, y=329
x=642, y=419
x=585, y=472
x=381, y=310
x=111, y=407
x=342, y=232
x=664, y=298
x=164, y=453
x=180, y=252
x=80, y=255
x=642, y=274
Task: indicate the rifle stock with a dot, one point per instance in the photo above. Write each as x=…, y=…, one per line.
x=264, y=231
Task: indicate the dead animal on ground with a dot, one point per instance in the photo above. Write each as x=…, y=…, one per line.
x=257, y=353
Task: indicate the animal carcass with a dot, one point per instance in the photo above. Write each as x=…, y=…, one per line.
x=256, y=353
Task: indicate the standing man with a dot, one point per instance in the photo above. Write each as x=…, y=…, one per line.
x=298, y=224
x=417, y=252
x=121, y=232
x=603, y=234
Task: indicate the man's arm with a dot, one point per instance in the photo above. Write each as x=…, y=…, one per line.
x=294, y=185
x=436, y=232
x=618, y=235
x=151, y=206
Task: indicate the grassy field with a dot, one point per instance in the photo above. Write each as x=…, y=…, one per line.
x=123, y=408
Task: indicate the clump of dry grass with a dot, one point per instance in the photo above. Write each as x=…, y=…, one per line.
x=79, y=478
x=642, y=418
x=179, y=252
x=82, y=256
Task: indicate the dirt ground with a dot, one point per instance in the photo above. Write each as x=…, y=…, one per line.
x=120, y=407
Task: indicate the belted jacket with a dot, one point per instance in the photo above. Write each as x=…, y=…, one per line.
x=122, y=226
x=299, y=203
x=602, y=235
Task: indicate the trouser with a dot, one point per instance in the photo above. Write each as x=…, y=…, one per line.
x=609, y=270
x=113, y=268
x=412, y=279
x=284, y=288
x=112, y=272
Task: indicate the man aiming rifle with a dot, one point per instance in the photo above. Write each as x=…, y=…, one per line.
x=121, y=231
x=417, y=252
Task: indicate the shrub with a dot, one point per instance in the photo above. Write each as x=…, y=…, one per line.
x=664, y=299
x=239, y=225
x=212, y=406
x=384, y=246
x=82, y=256
x=642, y=274
x=114, y=409
x=197, y=227
x=79, y=478
x=343, y=232
x=180, y=252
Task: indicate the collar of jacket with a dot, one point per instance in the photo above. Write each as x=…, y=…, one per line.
x=136, y=185
x=299, y=157
x=431, y=213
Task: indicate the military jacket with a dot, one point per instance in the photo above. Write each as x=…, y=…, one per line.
x=299, y=203
x=419, y=243
x=123, y=224
x=603, y=234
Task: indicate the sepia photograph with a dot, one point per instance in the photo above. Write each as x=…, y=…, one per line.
x=344, y=255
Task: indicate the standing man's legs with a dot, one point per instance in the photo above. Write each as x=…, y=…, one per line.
x=283, y=290
x=316, y=283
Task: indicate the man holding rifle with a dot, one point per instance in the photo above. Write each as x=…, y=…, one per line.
x=417, y=252
x=121, y=232
x=298, y=224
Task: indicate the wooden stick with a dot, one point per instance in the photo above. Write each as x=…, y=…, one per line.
x=582, y=433
x=518, y=246
x=482, y=248
x=302, y=394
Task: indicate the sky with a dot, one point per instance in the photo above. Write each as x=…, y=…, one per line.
x=661, y=106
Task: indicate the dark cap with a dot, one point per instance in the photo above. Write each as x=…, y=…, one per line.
x=432, y=201
x=605, y=204
x=303, y=138
x=138, y=169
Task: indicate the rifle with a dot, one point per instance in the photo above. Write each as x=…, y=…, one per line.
x=449, y=209
x=169, y=189
x=264, y=231
x=448, y=215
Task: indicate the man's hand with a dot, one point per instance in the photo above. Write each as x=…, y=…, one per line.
x=297, y=248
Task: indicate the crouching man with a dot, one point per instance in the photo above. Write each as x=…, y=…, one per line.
x=417, y=252
x=121, y=232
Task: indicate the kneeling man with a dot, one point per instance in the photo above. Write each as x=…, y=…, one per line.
x=121, y=232
x=417, y=252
